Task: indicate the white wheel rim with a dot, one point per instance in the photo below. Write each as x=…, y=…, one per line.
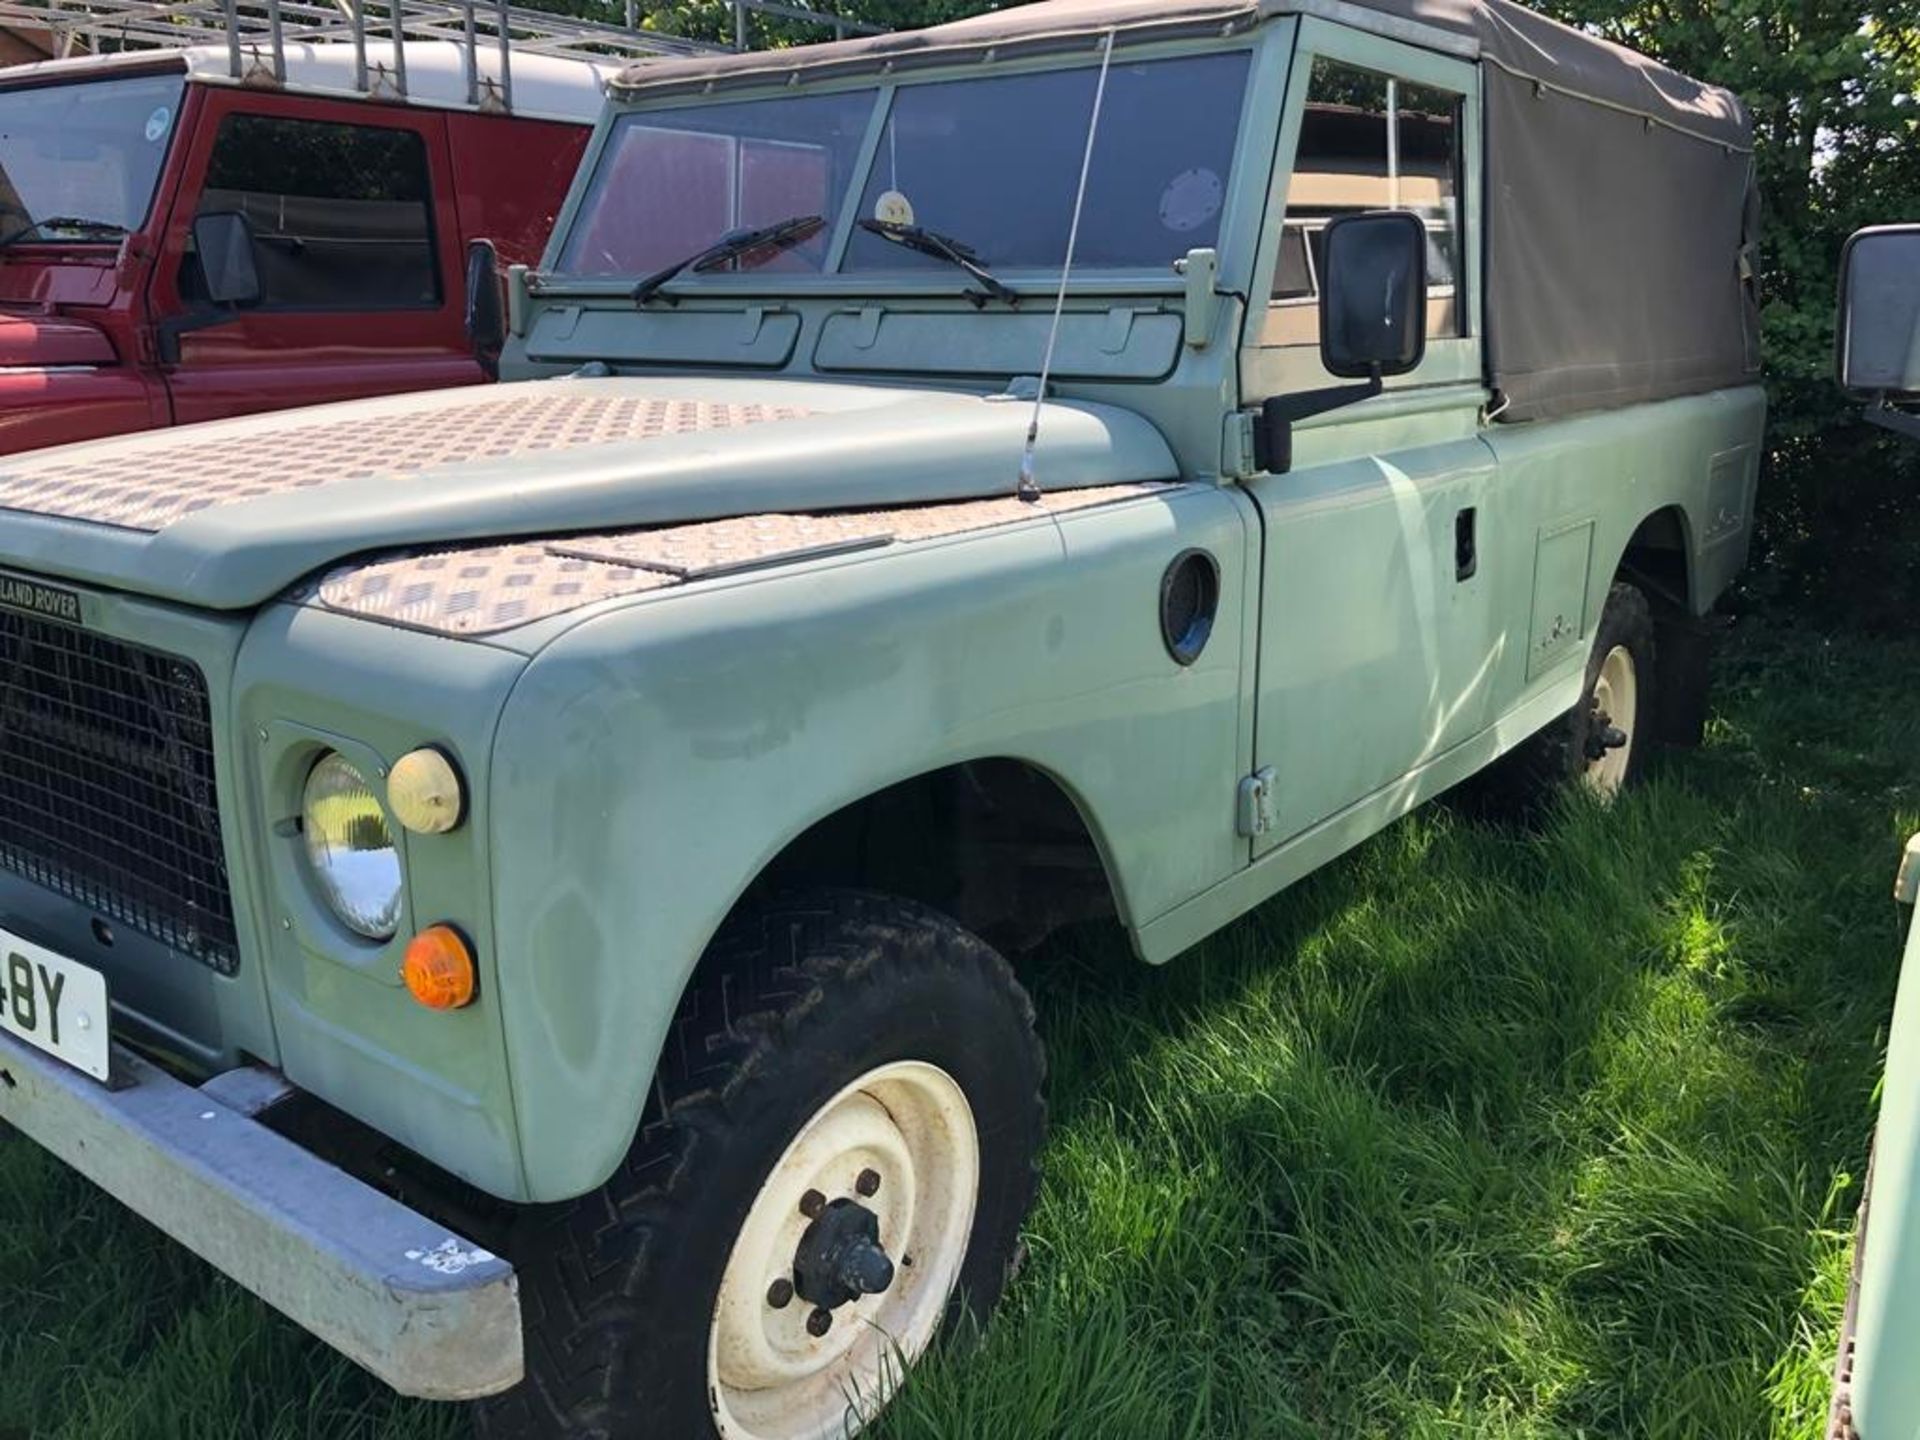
x=768, y=1377
x=1616, y=702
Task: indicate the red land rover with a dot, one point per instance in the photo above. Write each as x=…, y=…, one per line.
x=333, y=204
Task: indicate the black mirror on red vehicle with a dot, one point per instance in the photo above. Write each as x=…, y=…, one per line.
x=1373, y=295
x=486, y=311
x=223, y=239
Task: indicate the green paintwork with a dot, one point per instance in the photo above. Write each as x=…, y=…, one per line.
x=1886, y=1383
x=634, y=765
x=860, y=446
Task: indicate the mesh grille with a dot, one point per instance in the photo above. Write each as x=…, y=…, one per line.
x=106, y=783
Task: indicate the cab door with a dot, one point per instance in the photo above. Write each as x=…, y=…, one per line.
x=1376, y=631
x=355, y=242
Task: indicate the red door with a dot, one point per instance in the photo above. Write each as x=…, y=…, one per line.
x=356, y=242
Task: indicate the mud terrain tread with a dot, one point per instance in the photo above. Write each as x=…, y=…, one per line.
x=765, y=973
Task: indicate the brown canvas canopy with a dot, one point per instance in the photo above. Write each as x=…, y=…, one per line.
x=1622, y=215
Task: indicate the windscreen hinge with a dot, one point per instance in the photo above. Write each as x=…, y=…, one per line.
x=1201, y=270
x=1256, y=816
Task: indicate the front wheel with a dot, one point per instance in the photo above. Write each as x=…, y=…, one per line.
x=838, y=1158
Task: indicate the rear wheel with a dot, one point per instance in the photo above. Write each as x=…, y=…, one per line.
x=838, y=1158
x=1611, y=748
x=1603, y=742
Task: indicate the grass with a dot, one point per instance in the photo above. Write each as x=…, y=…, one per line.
x=1479, y=1132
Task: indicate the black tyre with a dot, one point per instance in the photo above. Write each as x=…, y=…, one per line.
x=828, y=1049
x=1603, y=742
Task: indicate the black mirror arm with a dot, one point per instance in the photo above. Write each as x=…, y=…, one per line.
x=167, y=332
x=1888, y=416
x=1273, y=432
x=486, y=318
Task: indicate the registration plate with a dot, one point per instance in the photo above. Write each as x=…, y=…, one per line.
x=55, y=1004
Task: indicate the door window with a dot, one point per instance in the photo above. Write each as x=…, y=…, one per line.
x=1369, y=141
x=342, y=215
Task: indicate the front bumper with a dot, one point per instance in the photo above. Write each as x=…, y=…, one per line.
x=423, y=1309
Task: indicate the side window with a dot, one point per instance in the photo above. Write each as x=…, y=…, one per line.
x=342, y=215
x=1370, y=142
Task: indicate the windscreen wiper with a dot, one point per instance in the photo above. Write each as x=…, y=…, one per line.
x=89, y=229
x=954, y=252
x=737, y=245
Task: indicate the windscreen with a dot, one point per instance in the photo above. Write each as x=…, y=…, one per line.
x=992, y=163
x=80, y=161
x=995, y=164
x=671, y=182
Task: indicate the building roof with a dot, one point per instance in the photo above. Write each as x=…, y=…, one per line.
x=1505, y=34
x=544, y=86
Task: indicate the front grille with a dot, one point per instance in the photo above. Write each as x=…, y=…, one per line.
x=106, y=784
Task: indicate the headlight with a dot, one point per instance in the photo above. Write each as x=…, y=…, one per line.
x=350, y=848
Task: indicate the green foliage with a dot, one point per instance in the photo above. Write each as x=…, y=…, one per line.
x=713, y=19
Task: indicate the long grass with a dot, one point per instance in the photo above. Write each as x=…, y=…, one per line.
x=1481, y=1131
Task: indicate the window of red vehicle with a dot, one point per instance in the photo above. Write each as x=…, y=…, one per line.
x=342, y=215
x=79, y=161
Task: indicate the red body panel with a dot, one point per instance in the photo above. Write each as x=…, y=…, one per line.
x=49, y=340
x=516, y=213
x=59, y=407
x=78, y=350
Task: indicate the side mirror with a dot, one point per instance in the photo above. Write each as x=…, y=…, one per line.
x=1373, y=323
x=1373, y=295
x=486, y=311
x=1880, y=313
x=224, y=242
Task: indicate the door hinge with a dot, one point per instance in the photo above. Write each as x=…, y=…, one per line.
x=1237, y=445
x=1256, y=804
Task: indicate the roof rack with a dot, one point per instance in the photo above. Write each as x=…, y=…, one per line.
x=258, y=32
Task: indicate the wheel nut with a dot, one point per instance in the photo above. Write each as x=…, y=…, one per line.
x=819, y=1322
x=812, y=1203
x=780, y=1294
x=869, y=1183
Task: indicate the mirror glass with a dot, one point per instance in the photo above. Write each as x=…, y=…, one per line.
x=224, y=241
x=486, y=316
x=1880, y=312
x=1373, y=296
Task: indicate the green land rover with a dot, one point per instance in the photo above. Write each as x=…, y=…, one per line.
x=522, y=879
x=1876, y=1392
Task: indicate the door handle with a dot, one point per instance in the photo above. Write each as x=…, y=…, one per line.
x=1466, y=547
